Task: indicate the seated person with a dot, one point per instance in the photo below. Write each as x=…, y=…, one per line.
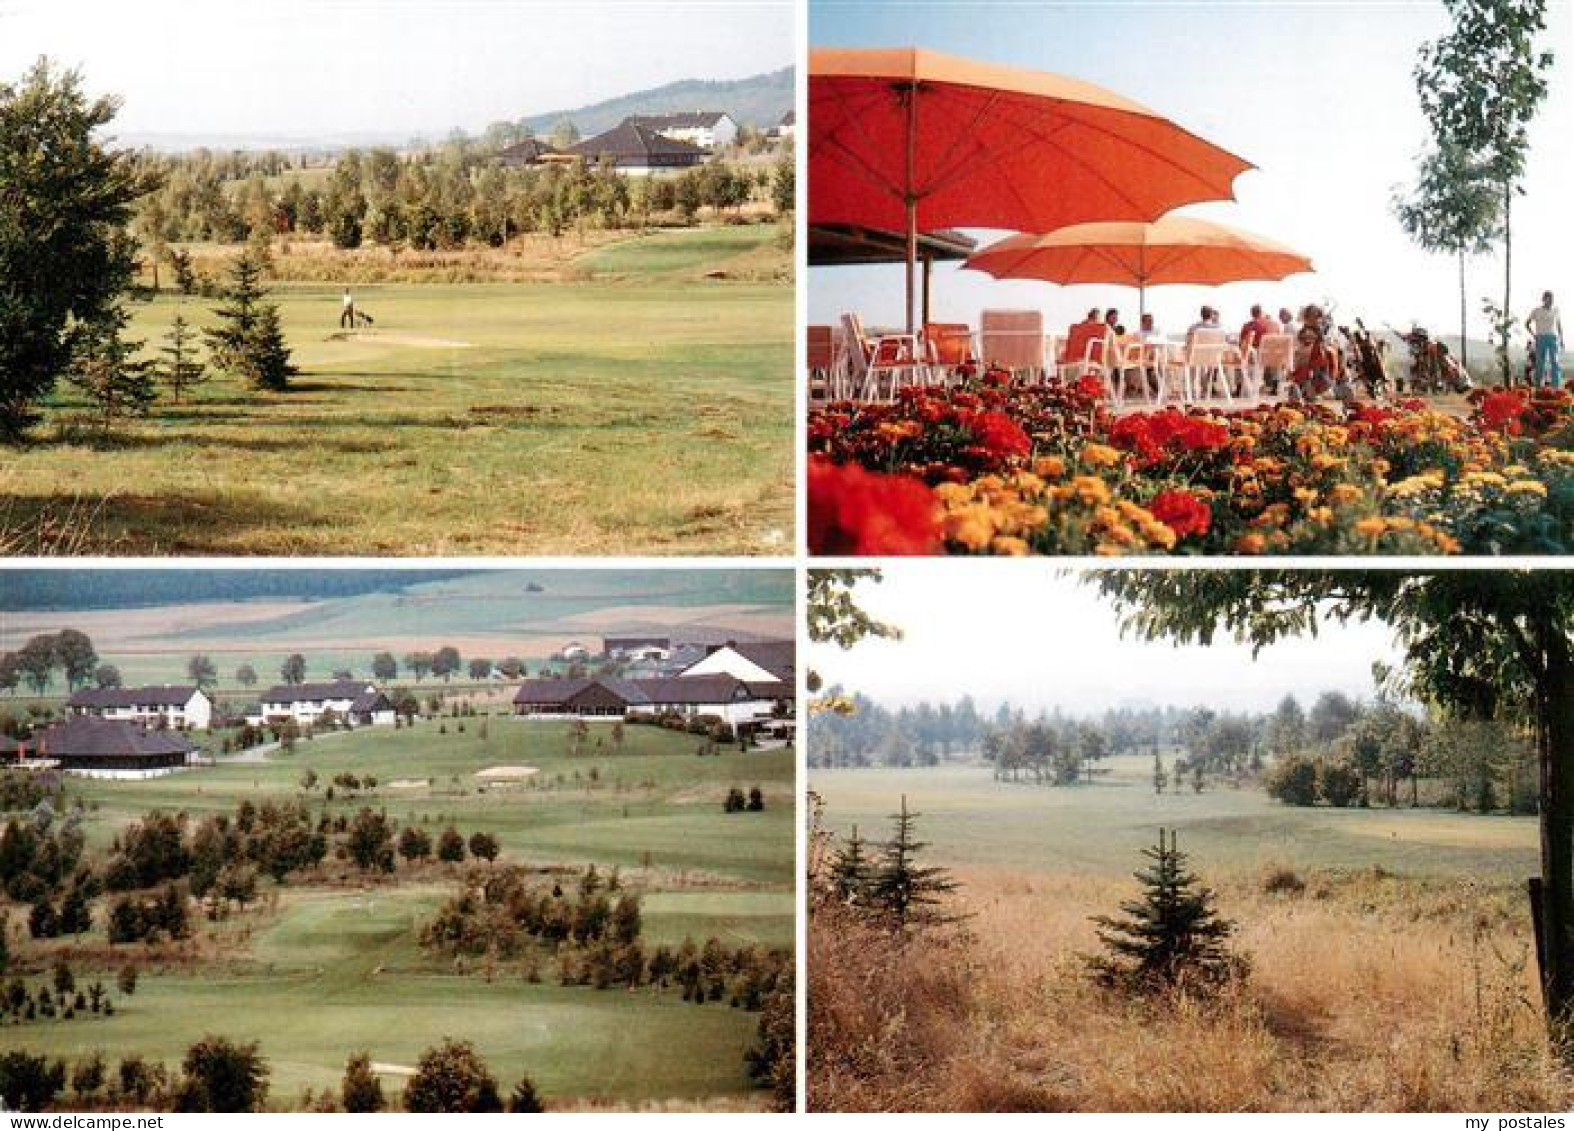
x=1256, y=328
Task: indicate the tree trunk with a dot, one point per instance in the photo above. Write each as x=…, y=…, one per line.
x=1508, y=273
x=1557, y=839
x=1464, y=319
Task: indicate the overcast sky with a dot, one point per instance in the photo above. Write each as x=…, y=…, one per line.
x=1036, y=635
x=294, y=67
x=1318, y=95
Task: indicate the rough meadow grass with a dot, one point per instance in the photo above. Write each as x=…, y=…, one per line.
x=1392, y=964
x=635, y=406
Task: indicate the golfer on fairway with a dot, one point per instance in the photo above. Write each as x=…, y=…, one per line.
x=347, y=310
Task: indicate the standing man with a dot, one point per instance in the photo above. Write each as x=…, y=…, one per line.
x=347, y=310
x=1546, y=327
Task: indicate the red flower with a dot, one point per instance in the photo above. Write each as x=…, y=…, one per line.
x=999, y=435
x=1090, y=387
x=858, y=513
x=1182, y=512
x=1502, y=411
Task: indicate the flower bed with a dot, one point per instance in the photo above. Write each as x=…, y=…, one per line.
x=1006, y=468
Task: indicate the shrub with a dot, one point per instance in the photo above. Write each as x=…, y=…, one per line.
x=222, y=1076
x=1338, y=783
x=525, y=1100
x=1293, y=780
x=1281, y=879
x=361, y=1091
x=452, y=1078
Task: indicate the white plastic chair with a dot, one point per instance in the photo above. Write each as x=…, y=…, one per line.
x=1012, y=339
x=876, y=367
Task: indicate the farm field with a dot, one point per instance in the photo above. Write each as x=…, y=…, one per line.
x=1391, y=956
x=483, y=614
x=638, y=407
x=318, y=971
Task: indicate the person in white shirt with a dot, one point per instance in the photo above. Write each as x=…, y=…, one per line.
x=1546, y=326
x=347, y=311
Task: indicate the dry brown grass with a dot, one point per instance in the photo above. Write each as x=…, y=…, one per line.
x=1367, y=994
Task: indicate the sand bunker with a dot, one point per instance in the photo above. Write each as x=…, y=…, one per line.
x=420, y=341
x=507, y=773
x=410, y=783
x=383, y=1069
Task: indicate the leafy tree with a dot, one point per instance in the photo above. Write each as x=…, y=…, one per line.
x=414, y=843
x=220, y=1075
x=450, y=846
x=1338, y=782
x=370, y=842
x=483, y=846
x=384, y=666
x=445, y=662
x=126, y=979
x=179, y=366
x=246, y=675
x=1169, y=937
x=1293, y=780
x=75, y=653
x=1455, y=210
x=1480, y=644
x=202, y=671
x=293, y=670
x=451, y=1077
x=88, y=1075
x=361, y=1091
x=27, y=1081
x=901, y=890
x=37, y=659
x=418, y=664
x=107, y=675
x=1480, y=84
x=480, y=669
x=65, y=253
x=248, y=342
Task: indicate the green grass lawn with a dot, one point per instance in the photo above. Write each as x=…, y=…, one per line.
x=646, y=411
x=972, y=820
x=330, y=971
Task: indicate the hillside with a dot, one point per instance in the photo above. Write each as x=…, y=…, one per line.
x=758, y=101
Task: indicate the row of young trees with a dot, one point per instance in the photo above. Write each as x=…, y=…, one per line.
x=218, y=1074
x=447, y=199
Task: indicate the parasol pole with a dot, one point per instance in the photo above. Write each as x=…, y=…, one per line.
x=911, y=199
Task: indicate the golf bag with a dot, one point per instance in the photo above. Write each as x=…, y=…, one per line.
x=1432, y=368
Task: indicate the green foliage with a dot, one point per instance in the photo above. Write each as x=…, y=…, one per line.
x=1338, y=783
x=29, y=1082
x=361, y=1091
x=452, y=1078
x=106, y=371
x=1293, y=780
x=249, y=342
x=901, y=891
x=179, y=367
x=1480, y=85
x=65, y=255
x=1169, y=938
x=220, y=1075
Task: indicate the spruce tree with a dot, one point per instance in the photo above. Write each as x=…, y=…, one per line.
x=1171, y=936
x=249, y=342
x=850, y=871
x=107, y=372
x=181, y=369
x=903, y=891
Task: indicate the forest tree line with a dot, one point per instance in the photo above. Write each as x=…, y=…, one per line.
x=1338, y=751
